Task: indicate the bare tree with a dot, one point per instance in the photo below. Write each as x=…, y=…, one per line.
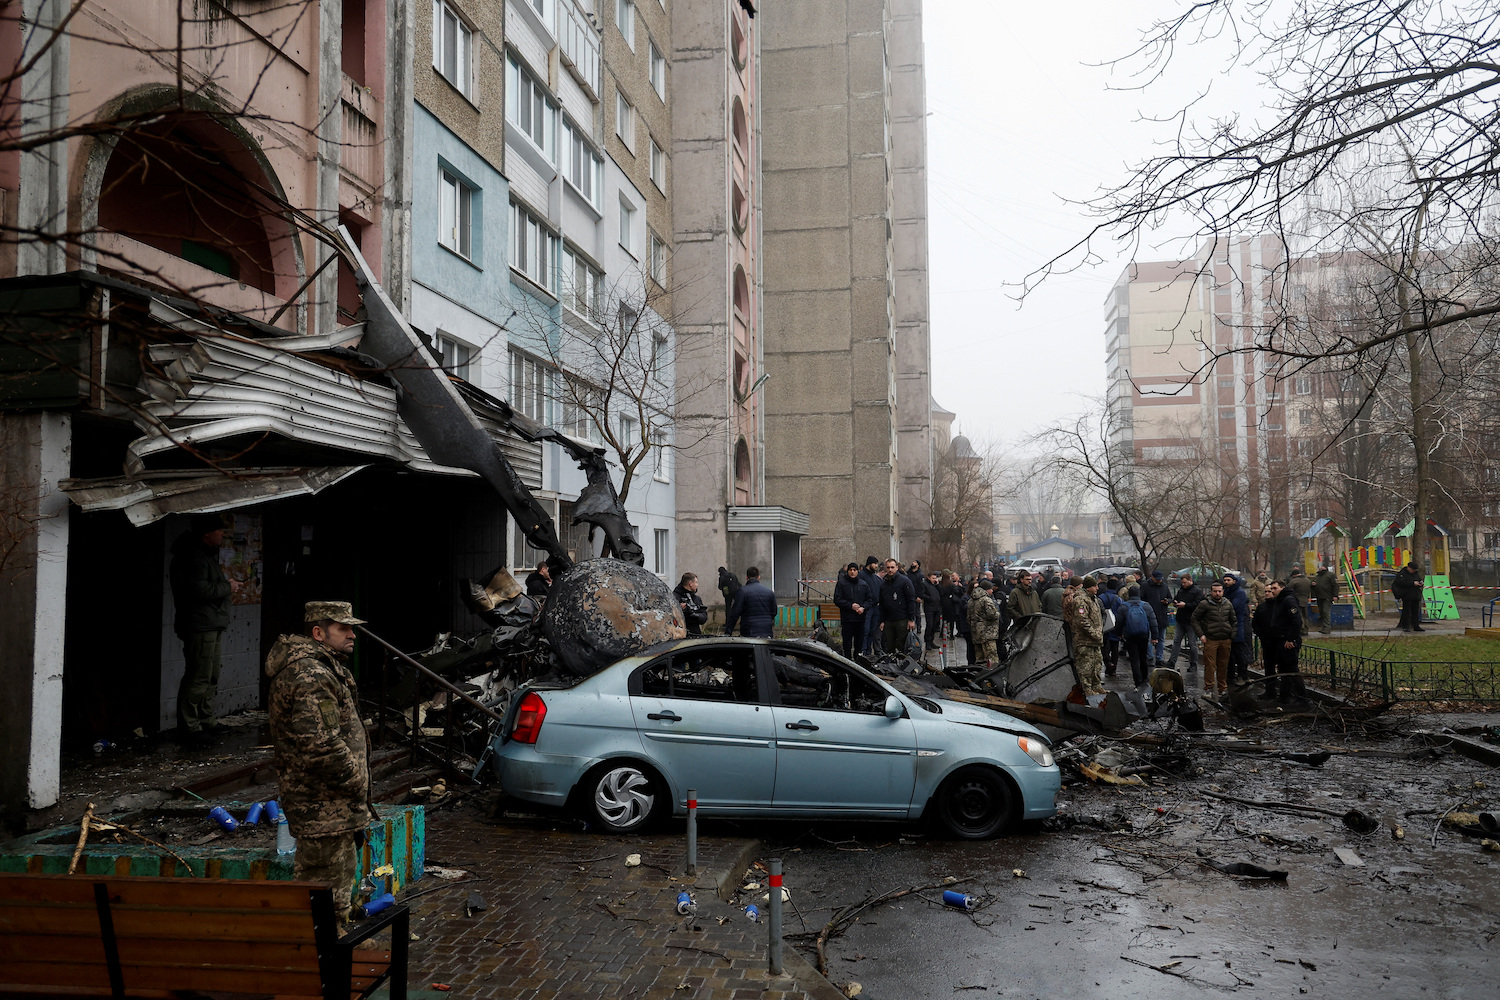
x=966, y=485
x=1402, y=92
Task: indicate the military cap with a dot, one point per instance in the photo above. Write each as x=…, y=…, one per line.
x=330, y=611
x=1089, y=581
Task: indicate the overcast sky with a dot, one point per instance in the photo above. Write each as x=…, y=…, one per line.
x=1022, y=117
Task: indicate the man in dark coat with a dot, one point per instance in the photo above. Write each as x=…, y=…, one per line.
x=1239, y=649
x=1285, y=644
x=932, y=606
x=1407, y=588
x=693, y=611
x=1189, y=596
x=1158, y=596
x=852, y=595
x=1301, y=586
x=754, y=608
x=539, y=580
x=898, y=608
x=871, y=575
x=202, y=595
x=729, y=585
x=1325, y=590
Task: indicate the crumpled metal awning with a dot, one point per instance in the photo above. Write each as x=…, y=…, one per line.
x=153, y=498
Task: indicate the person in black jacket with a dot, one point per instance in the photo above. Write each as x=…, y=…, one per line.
x=898, y=608
x=1407, y=588
x=202, y=594
x=871, y=575
x=852, y=595
x=1189, y=596
x=1284, y=647
x=539, y=580
x=932, y=604
x=1158, y=597
x=729, y=585
x=754, y=608
x=693, y=611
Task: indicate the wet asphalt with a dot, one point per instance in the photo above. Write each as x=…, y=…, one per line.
x=1122, y=904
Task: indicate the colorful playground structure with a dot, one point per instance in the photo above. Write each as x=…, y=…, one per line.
x=1362, y=568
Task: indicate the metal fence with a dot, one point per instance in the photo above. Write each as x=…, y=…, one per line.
x=1367, y=678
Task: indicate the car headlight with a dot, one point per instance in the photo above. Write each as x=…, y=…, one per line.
x=1036, y=750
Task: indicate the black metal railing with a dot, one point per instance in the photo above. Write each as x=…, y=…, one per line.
x=1369, y=678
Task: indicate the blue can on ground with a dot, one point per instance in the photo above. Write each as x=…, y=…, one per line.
x=685, y=904
x=960, y=900
x=221, y=816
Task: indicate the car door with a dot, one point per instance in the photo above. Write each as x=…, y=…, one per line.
x=701, y=715
x=835, y=749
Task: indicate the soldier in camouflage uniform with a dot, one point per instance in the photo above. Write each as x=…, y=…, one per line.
x=984, y=622
x=1088, y=637
x=321, y=754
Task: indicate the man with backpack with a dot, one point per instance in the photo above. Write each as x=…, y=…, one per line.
x=1158, y=597
x=1109, y=600
x=1136, y=635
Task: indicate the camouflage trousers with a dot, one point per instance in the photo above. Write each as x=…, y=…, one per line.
x=984, y=651
x=1089, y=662
x=333, y=861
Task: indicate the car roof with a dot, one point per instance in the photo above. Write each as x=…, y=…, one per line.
x=653, y=651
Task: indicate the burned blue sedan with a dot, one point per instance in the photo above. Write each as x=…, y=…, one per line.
x=771, y=729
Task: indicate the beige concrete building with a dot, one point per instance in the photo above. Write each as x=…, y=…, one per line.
x=848, y=402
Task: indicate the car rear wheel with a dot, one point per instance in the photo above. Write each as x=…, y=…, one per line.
x=974, y=803
x=622, y=796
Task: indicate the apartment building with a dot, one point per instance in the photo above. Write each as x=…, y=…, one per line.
x=848, y=401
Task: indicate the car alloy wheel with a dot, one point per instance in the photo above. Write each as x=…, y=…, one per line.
x=624, y=798
x=974, y=803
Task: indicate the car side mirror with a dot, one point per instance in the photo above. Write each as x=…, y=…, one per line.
x=893, y=707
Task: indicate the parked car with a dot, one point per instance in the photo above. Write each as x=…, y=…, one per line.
x=769, y=728
x=1035, y=566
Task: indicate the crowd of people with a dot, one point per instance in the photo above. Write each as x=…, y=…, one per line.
x=885, y=608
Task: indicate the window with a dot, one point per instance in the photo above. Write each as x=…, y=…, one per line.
x=454, y=357
x=579, y=406
x=582, y=167
x=1307, y=481
x=1273, y=427
x=1303, y=385
x=812, y=682
x=1492, y=539
x=579, y=46
x=625, y=121
x=658, y=167
x=1226, y=414
x=659, y=452
x=658, y=72
x=1226, y=382
x=701, y=675
x=532, y=247
x=1304, y=418
x=452, y=47
x=1015, y=528
x=581, y=284
x=663, y=552
x=627, y=223
x=625, y=20
x=529, y=109
x=455, y=213
x=629, y=432
x=528, y=386
x=658, y=260
x=1307, y=510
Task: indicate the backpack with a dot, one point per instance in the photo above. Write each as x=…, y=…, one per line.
x=1137, y=619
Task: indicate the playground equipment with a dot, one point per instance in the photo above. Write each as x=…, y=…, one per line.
x=1376, y=557
x=1437, y=588
x=1327, y=544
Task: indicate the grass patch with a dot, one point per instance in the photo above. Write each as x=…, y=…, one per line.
x=1416, y=648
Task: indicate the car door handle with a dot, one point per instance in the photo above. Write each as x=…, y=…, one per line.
x=804, y=724
x=664, y=717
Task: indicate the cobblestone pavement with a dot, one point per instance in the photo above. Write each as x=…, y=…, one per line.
x=566, y=918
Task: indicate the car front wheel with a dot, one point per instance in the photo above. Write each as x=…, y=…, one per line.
x=623, y=797
x=974, y=803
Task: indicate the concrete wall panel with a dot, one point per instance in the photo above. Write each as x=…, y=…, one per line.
x=807, y=259
x=808, y=321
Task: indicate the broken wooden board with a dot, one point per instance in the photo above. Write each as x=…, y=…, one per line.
x=1348, y=857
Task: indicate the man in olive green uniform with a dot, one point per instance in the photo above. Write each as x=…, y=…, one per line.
x=1088, y=637
x=202, y=596
x=321, y=754
x=984, y=622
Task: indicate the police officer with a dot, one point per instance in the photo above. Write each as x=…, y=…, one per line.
x=321, y=754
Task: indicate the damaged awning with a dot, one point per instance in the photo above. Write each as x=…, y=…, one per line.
x=146, y=500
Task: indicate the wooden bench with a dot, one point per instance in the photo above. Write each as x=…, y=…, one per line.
x=138, y=937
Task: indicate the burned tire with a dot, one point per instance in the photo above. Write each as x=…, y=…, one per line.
x=974, y=803
x=622, y=797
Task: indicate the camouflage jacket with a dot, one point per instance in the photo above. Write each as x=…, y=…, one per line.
x=320, y=751
x=984, y=617
x=1088, y=621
